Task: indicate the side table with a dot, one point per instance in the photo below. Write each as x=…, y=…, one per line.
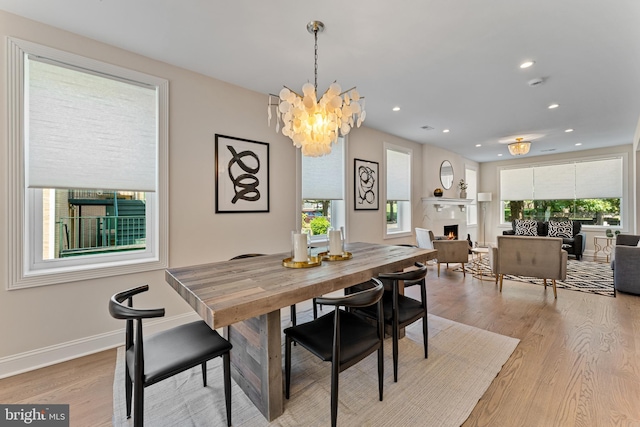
x=477, y=254
x=603, y=244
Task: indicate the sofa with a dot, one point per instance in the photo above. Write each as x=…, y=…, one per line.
x=573, y=240
x=626, y=264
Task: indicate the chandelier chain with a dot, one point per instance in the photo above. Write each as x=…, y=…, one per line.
x=315, y=35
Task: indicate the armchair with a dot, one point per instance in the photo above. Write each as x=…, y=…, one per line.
x=626, y=264
x=454, y=251
x=541, y=257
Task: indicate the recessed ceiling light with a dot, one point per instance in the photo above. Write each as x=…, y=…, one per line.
x=396, y=108
x=500, y=155
x=552, y=106
x=445, y=131
x=568, y=130
x=478, y=145
x=527, y=64
x=578, y=144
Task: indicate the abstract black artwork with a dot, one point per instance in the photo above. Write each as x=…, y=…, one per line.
x=365, y=185
x=242, y=175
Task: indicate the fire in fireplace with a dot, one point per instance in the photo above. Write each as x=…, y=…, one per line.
x=451, y=232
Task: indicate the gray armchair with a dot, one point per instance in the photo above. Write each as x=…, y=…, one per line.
x=626, y=264
x=541, y=257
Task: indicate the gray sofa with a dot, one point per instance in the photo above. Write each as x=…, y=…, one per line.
x=626, y=264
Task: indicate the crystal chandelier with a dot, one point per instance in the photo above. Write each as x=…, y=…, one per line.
x=519, y=147
x=314, y=124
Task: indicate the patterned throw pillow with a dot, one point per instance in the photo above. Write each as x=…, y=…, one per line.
x=562, y=229
x=526, y=227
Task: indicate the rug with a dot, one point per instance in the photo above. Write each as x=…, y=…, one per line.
x=439, y=391
x=583, y=276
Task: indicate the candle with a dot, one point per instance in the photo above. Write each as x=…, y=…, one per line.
x=335, y=242
x=300, y=253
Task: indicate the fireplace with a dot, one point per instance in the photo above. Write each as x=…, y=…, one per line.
x=451, y=232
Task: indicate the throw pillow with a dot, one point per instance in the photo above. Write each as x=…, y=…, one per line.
x=562, y=229
x=526, y=227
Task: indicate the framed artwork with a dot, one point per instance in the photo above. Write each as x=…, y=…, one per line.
x=365, y=182
x=242, y=175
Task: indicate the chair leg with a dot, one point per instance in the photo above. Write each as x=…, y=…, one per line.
x=128, y=386
x=425, y=335
x=287, y=366
x=293, y=315
x=395, y=334
x=545, y=283
x=555, y=292
x=438, y=269
x=501, y=277
x=315, y=309
x=464, y=273
x=226, y=362
x=204, y=374
x=380, y=372
x=335, y=369
x=138, y=404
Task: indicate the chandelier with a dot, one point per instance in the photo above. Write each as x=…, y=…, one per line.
x=519, y=147
x=314, y=124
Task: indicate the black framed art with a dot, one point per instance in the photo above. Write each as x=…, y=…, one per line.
x=365, y=182
x=242, y=175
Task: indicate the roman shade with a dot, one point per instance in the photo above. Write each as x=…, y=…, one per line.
x=516, y=184
x=323, y=177
x=398, y=176
x=88, y=130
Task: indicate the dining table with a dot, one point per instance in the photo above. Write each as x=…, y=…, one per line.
x=244, y=296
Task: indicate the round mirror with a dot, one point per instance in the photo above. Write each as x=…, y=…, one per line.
x=446, y=174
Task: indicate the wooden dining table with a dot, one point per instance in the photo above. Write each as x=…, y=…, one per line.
x=246, y=296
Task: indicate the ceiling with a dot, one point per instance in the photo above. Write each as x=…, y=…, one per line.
x=447, y=64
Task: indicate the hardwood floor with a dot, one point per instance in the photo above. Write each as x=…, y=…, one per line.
x=577, y=364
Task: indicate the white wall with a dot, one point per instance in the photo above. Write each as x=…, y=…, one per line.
x=42, y=325
x=489, y=182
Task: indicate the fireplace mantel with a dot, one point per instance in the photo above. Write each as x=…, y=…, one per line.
x=439, y=202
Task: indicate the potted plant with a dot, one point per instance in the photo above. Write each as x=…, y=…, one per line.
x=462, y=186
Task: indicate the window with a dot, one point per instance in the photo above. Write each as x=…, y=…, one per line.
x=470, y=177
x=398, y=190
x=588, y=191
x=323, y=203
x=88, y=178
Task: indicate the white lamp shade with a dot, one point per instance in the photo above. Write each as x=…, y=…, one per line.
x=484, y=197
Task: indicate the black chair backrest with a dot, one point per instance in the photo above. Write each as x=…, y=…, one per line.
x=120, y=311
x=411, y=275
x=363, y=298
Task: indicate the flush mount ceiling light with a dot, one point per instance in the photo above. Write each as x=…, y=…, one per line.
x=314, y=124
x=519, y=147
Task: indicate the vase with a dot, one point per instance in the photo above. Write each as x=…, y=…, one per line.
x=463, y=194
x=438, y=192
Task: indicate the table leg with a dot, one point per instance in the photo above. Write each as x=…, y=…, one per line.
x=256, y=361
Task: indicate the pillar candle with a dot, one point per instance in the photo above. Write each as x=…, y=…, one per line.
x=300, y=253
x=335, y=242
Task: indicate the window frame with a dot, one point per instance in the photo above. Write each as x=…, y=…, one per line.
x=24, y=221
x=406, y=214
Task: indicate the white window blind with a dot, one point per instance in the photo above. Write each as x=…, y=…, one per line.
x=516, y=184
x=554, y=182
x=323, y=177
x=600, y=179
x=87, y=130
x=398, y=175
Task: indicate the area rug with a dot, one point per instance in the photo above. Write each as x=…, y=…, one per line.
x=439, y=391
x=583, y=276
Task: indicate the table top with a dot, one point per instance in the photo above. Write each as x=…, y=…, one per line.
x=480, y=250
x=227, y=292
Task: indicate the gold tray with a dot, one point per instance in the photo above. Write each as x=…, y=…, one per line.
x=326, y=257
x=313, y=261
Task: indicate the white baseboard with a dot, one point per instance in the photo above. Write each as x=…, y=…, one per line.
x=46, y=356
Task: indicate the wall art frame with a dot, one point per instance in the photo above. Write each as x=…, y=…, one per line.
x=242, y=175
x=366, y=185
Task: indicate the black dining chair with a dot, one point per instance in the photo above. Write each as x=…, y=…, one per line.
x=341, y=338
x=401, y=311
x=153, y=358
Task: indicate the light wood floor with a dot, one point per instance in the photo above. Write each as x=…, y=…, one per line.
x=578, y=362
